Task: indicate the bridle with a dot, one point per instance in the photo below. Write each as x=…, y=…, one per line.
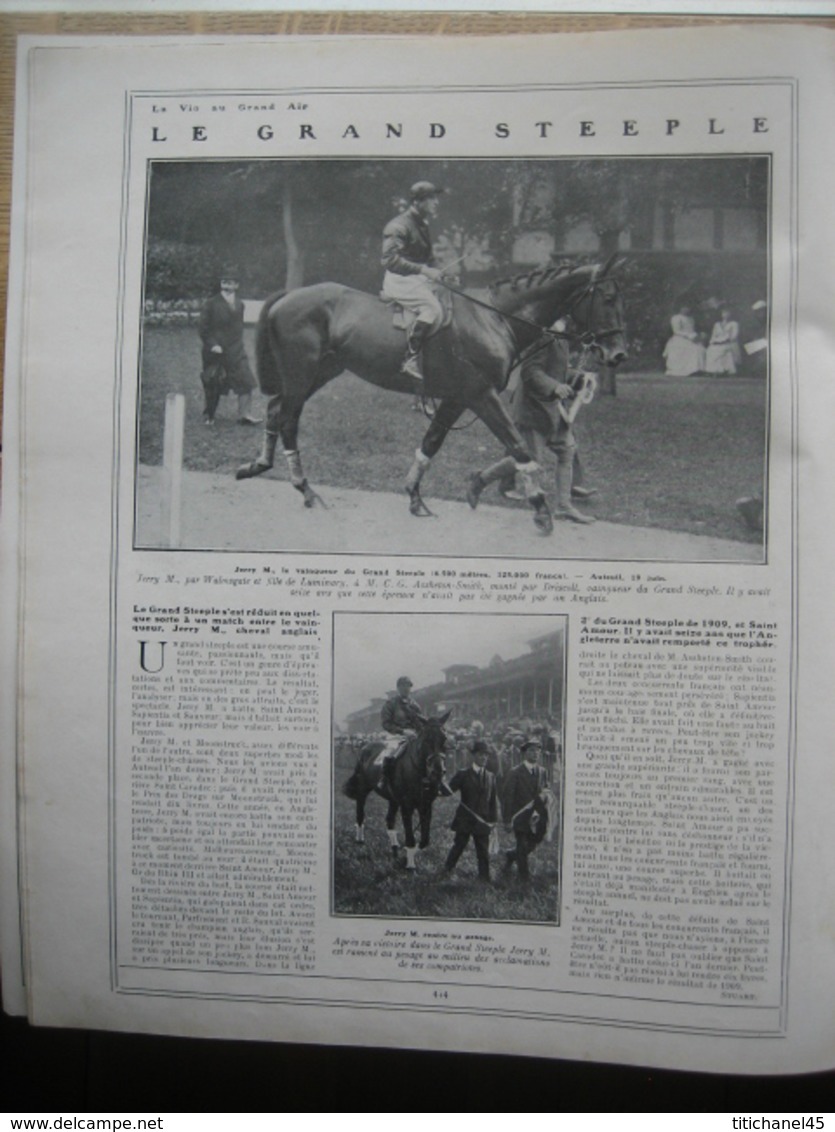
x=587, y=340
x=434, y=762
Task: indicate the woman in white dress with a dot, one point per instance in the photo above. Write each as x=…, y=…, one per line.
x=723, y=353
x=684, y=353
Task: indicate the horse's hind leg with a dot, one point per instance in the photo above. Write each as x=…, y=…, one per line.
x=447, y=414
x=271, y=433
x=360, y=829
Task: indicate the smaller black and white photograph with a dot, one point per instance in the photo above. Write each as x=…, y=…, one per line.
x=565, y=358
x=448, y=766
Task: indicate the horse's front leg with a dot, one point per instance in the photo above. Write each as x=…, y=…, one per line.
x=425, y=815
x=409, y=834
x=518, y=461
x=447, y=414
x=360, y=829
x=391, y=818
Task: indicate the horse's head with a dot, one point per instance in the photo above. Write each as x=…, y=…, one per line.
x=596, y=310
x=432, y=747
x=587, y=297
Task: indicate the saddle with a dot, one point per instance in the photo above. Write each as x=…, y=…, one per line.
x=403, y=318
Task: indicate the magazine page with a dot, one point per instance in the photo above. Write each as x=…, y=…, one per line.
x=421, y=642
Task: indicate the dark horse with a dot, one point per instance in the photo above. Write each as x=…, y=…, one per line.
x=307, y=337
x=415, y=780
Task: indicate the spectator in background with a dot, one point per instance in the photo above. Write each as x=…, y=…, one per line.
x=756, y=348
x=225, y=365
x=684, y=353
x=723, y=354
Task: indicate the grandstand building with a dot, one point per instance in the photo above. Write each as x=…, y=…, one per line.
x=530, y=685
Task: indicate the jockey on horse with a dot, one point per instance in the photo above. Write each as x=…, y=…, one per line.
x=410, y=271
x=400, y=717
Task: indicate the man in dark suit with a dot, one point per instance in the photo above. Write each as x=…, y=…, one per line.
x=477, y=811
x=523, y=806
x=225, y=364
x=539, y=408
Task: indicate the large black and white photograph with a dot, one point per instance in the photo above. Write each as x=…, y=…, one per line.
x=564, y=358
x=448, y=765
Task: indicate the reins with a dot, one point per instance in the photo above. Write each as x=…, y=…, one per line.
x=588, y=339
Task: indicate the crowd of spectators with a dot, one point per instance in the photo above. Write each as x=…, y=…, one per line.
x=504, y=738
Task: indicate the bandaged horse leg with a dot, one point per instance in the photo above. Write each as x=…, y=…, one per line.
x=411, y=854
x=445, y=417
x=360, y=835
x=272, y=432
x=419, y=465
x=299, y=480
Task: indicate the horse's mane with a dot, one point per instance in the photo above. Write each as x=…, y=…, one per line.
x=532, y=280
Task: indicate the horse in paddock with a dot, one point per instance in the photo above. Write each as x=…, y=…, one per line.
x=415, y=781
x=306, y=337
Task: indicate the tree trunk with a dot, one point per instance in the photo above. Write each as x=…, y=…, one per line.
x=294, y=276
x=609, y=245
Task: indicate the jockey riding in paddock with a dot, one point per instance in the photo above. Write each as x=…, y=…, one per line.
x=410, y=271
x=400, y=717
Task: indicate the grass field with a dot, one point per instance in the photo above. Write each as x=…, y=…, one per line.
x=369, y=882
x=673, y=453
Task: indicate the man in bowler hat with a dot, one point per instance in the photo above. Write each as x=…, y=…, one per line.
x=523, y=806
x=225, y=364
x=477, y=811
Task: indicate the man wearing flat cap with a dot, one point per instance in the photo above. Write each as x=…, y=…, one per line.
x=410, y=270
x=523, y=806
x=477, y=811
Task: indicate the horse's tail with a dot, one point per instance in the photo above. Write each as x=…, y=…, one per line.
x=269, y=378
x=351, y=787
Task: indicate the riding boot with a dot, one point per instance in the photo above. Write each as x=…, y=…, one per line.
x=578, y=486
x=565, y=508
x=413, y=362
